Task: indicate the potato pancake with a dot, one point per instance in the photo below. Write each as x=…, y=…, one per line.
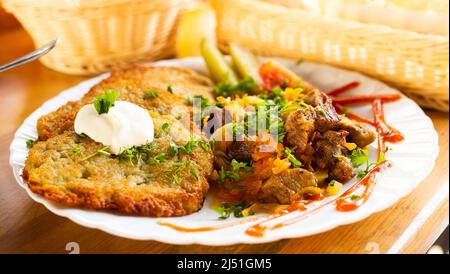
x=167, y=177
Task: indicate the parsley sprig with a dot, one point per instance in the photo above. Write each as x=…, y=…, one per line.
x=288, y=154
x=360, y=159
x=103, y=150
x=172, y=173
x=144, y=152
x=151, y=94
x=234, y=172
x=226, y=209
x=76, y=150
x=165, y=127
x=188, y=148
x=104, y=102
x=243, y=86
x=30, y=143
x=203, y=100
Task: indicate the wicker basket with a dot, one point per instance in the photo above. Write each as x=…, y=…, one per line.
x=98, y=35
x=423, y=16
x=417, y=64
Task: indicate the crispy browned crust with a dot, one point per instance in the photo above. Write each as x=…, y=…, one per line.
x=105, y=183
x=102, y=182
x=171, y=205
x=132, y=84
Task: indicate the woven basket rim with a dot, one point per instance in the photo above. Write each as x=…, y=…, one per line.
x=331, y=20
x=76, y=4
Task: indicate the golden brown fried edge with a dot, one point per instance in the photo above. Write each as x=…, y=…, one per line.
x=56, y=128
x=132, y=84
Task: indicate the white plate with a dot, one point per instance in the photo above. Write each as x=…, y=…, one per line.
x=413, y=159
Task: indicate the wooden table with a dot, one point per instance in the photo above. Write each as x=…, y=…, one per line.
x=410, y=226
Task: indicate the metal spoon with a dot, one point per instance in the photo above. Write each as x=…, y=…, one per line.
x=30, y=56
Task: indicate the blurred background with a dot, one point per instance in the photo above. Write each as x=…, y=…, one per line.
x=401, y=42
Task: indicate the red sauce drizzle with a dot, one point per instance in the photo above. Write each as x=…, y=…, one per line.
x=340, y=90
x=344, y=202
x=365, y=99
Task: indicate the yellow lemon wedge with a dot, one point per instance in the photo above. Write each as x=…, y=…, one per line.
x=195, y=25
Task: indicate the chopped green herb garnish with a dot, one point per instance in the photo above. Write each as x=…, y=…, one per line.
x=288, y=154
x=161, y=158
x=170, y=89
x=151, y=94
x=238, y=165
x=274, y=102
x=131, y=154
x=354, y=197
x=189, y=147
x=243, y=86
x=172, y=173
x=238, y=130
x=30, y=143
x=173, y=150
x=203, y=100
x=223, y=89
x=212, y=144
x=291, y=106
x=234, y=172
x=188, y=100
x=104, y=102
x=194, y=173
x=246, y=85
x=137, y=153
x=226, y=209
x=359, y=157
x=276, y=91
x=204, y=145
x=362, y=173
x=165, y=127
x=103, y=150
x=332, y=183
x=76, y=149
x=222, y=175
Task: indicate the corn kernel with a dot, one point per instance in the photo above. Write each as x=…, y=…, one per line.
x=333, y=188
x=280, y=165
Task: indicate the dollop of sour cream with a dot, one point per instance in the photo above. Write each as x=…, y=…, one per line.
x=125, y=125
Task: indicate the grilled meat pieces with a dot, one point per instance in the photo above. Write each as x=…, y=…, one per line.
x=242, y=151
x=326, y=115
x=360, y=134
x=299, y=127
x=287, y=186
x=330, y=154
x=319, y=134
x=320, y=116
x=67, y=168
